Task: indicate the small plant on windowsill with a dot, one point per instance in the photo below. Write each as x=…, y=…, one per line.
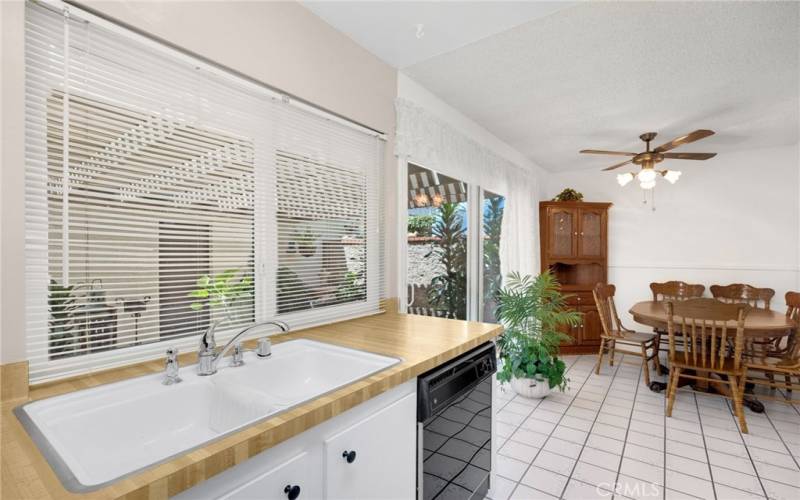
x=532, y=310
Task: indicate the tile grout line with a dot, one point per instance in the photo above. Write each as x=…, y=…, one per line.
x=722, y=428
x=627, y=432
x=747, y=449
x=589, y=432
x=794, y=459
x=705, y=447
x=516, y=483
x=516, y=428
x=551, y=432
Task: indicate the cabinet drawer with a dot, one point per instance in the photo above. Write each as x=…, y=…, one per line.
x=273, y=483
x=384, y=465
x=580, y=299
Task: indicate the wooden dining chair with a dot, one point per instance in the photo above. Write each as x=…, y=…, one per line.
x=706, y=328
x=615, y=333
x=673, y=291
x=758, y=298
x=783, y=361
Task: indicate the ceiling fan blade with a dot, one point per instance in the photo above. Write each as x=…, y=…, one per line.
x=686, y=139
x=690, y=156
x=612, y=167
x=601, y=152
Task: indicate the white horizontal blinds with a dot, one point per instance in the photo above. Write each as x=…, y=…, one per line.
x=327, y=185
x=159, y=170
x=163, y=195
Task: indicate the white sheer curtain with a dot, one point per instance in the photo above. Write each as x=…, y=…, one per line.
x=426, y=139
x=519, y=238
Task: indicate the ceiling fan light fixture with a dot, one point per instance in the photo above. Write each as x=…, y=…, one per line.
x=624, y=179
x=672, y=176
x=647, y=184
x=647, y=175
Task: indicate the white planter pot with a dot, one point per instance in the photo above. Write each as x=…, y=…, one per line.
x=531, y=387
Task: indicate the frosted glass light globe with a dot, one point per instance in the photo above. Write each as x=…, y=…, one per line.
x=624, y=179
x=672, y=176
x=648, y=184
x=647, y=175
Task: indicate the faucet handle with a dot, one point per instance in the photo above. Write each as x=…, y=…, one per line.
x=264, y=347
x=171, y=367
x=238, y=355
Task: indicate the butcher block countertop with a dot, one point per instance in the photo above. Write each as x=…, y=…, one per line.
x=421, y=342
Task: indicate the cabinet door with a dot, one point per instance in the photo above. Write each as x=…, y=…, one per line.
x=573, y=331
x=277, y=482
x=591, y=237
x=562, y=232
x=591, y=328
x=383, y=450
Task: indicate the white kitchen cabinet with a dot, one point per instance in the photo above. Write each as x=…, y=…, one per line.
x=277, y=483
x=382, y=432
x=381, y=449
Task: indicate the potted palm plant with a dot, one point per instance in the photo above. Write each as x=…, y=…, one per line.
x=532, y=309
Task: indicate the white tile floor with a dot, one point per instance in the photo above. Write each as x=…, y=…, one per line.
x=607, y=437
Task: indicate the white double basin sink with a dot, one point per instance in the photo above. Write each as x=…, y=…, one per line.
x=96, y=436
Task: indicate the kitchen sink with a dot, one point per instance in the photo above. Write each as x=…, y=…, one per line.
x=96, y=436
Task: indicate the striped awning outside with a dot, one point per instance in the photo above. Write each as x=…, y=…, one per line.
x=429, y=189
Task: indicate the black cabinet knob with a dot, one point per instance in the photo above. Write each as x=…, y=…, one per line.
x=292, y=491
x=350, y=456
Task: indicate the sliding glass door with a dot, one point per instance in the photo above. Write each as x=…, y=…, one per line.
x=491, y=232
x=452, y=267
x=437, y=250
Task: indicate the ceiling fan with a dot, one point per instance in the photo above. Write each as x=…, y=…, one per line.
x=648, y=159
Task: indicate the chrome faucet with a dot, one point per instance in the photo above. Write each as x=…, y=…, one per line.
x=171, y=367
x=207, y=355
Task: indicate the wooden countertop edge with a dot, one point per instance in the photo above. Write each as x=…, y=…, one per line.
x=183, y=472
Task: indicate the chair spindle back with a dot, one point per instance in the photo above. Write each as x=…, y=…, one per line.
x=793, y=306
x=758, y=298
x=675, y=290
x=604, y=299
x=793, y=315
x=704, y=326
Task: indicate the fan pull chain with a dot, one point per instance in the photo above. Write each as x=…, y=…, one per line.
x=652, y=198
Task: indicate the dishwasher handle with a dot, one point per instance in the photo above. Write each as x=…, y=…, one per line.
x=437, y=388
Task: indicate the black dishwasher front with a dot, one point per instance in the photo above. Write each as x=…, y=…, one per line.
x=454, y=415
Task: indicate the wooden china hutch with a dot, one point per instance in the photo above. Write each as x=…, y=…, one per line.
x=574, y=246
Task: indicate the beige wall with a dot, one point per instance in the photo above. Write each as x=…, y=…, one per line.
x=280, y=43
x=12, y=183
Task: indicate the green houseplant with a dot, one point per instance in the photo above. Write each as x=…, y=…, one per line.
x=224, y=291
x=448, y=290
x=420, y=225
x=569, y=194
x=61, y=304
x=532, y=309
x=492, y=275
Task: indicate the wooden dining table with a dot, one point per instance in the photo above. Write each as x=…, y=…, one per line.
x=759, y=323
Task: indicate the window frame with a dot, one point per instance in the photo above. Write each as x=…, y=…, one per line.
x=475, y=253
x=264, y=267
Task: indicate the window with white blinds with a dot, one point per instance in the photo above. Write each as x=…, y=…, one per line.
x=164, y=194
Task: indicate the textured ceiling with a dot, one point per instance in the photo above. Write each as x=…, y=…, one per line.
x=599, y=74
x=388, y=28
